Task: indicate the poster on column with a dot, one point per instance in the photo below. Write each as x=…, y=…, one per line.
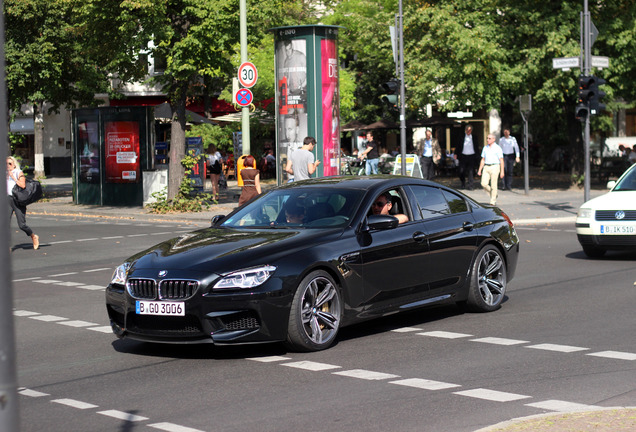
x=122, y=152
x=330, y=108
x=291, y=79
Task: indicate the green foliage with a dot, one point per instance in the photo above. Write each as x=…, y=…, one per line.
x=219, y=136
x=186, y=200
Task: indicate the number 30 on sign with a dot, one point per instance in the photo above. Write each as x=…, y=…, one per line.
x=247, y=74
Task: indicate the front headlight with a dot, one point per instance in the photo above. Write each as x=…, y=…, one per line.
x=248, y=278
x=120, y=274
x=585, y=213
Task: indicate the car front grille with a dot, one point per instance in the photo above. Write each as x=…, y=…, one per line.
x=186, y=326
x=142, y=288
x=611, y=215
x=169, y=289
x=177, y=289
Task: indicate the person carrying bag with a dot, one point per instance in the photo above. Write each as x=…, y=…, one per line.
x=19, y=196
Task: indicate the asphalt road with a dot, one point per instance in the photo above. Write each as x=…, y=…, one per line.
x=562, y=340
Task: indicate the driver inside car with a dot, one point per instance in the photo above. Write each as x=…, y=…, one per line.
x=383, y=205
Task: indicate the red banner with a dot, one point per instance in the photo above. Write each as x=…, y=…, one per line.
x=122, y=152
x=330, y=107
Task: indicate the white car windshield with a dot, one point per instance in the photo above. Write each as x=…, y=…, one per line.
x=306, y=207
x=628, y=182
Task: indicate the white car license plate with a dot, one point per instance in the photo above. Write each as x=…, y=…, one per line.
x=617, y=229
x=160, y=308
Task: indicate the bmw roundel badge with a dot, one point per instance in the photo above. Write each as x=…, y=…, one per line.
x=163, y=273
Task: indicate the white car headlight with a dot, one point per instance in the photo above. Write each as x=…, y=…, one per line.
x=248, y=278
x=120, y=274
x=585, y=213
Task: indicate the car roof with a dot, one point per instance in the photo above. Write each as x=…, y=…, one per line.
x=359, y=182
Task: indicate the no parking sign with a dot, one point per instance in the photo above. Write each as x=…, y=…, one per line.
x=244, y=97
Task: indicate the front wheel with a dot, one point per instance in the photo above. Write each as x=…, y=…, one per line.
x=488, y=280
x=315, y=313
x=593, y=252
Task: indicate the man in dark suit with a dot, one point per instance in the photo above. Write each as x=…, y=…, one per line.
x=467, y=152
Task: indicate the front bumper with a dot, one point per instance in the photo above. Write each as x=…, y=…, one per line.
x=220, y=318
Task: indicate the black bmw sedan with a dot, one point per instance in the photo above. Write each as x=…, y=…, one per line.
x=305, y=259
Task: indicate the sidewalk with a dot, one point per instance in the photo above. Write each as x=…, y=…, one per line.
x=550, y=200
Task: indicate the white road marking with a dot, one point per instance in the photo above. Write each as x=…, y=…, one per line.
x=170, y=427
x=92, y=287
x=123, y=223
x=445, y=335
x=101, y=329
x=614, y=355
x=406, y=329
x=48, y=318
x=161, y=233
x=312, y=366
x=112, y=237
x=121, y=415
x=25, y=279
x=366, y=374
x=47, y=281
x=25, y=313
x=97, y=270
x=562, y=406
x=60, y=242
x=136, y=235
x=63, y=274
x=78, y=323
x=31, y=393
x=424, y=384
x=499, y=341
x=70, y=284
x=87, y=239
x=268, y=359
x=558, y=348
x=492, y=395
x=75, y=403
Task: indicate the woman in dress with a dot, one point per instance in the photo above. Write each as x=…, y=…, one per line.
x=15, y=176
x=215, y=164
x=251, y=181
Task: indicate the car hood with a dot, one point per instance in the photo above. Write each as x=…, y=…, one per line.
x=618, y=200
x=221, y=250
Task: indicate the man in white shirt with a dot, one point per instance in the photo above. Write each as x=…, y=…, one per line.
x=302, y=164
x=492, y=166
x=466, y=153
x=510, y=150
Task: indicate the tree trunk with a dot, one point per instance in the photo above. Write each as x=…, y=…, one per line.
x=38, y=140
x=177, y=145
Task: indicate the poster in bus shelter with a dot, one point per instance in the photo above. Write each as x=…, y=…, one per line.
x=330, y=108
x=122, y=152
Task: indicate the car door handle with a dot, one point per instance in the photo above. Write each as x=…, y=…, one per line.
x=419, y=237
x=468, y=226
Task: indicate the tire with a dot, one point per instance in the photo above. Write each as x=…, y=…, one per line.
x=593, y=252
x=488, y=280
x=315, y=314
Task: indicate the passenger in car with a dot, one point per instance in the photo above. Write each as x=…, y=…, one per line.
x=383, y=205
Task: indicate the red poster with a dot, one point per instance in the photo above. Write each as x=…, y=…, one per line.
x=122, y=152
x=330, y=108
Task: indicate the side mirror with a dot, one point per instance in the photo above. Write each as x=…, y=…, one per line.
x=216, y=219
x=382, y=222
x=611, y=184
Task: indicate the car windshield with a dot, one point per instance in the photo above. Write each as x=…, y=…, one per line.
x=627, y=183
x=295, y=207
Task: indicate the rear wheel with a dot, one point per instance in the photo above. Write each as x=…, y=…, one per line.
x=315, y=313
x=593, y=252
x=488, y=280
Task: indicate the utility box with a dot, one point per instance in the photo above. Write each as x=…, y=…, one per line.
x=112, y=147
x=307, y=95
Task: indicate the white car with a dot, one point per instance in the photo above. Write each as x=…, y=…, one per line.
x=608, y=222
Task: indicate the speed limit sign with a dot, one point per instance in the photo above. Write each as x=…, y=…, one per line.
x=247, y=74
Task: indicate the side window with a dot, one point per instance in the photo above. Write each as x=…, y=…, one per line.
x=456, y=203
x=431, y=201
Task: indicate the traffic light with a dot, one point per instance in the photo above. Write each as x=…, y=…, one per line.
x=391, y=89
x=596, y=105
x=581, y=111
x=585, y=89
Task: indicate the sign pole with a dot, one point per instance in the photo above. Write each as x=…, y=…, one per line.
x=245, y=111
x=587, y=48
x=402, y=93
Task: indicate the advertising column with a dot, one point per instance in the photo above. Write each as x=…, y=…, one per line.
x=307, y=96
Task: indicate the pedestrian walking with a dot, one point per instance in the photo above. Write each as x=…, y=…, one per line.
x=492, y=167
x=251, y=181
x=301, y=164
x=215, y=166
x=466, y=153
x=15, y=176
x=371, y=154
x=431, y=153
x=511, y=155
